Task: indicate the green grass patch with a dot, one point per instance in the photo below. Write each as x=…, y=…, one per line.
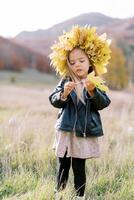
x=28, y=77
x=18, y=183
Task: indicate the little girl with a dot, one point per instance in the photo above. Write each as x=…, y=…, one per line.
x=77, y=54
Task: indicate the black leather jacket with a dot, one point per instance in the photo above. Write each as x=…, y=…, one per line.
x=82, y=119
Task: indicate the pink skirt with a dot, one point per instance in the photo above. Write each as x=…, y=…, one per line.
x=77, y=147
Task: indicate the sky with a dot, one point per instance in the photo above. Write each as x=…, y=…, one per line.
x=31, y=15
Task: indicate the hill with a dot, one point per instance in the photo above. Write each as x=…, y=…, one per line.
x=14, y=56
x=41, y=40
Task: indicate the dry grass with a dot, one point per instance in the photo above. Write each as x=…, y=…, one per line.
x=28, y=163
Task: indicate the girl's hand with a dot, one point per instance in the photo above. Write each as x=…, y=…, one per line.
x=89, y=86
x=68, y=87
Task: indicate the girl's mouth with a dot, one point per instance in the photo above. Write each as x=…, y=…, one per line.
x=79, y=70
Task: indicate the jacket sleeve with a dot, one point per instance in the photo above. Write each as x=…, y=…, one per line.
x=99, y=100
x=55, y=99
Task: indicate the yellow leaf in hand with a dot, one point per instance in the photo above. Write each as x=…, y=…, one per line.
x=99, y=82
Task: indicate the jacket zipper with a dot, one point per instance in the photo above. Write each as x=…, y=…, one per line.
x=84, y=134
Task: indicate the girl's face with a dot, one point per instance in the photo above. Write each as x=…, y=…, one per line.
x=79, y=63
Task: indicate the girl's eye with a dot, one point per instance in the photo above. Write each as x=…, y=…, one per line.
x=72, y=63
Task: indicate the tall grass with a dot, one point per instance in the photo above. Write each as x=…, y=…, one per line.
x=28, y=163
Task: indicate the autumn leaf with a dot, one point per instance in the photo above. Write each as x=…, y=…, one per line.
x=99, y=82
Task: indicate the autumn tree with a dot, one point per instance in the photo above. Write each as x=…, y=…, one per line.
x=117, y=76
x=18, y=62
x=1, y=64
x=128, y=50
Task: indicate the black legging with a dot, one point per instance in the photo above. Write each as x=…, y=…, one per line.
x=78, y=166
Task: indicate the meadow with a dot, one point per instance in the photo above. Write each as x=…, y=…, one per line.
x=27, y=160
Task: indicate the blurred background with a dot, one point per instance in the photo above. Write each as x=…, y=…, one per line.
x=29, y=28
x=27, y=161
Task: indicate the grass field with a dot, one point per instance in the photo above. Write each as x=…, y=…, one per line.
x=27, y=77
x=27, y=161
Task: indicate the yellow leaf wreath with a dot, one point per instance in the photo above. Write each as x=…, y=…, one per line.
x=96, y=47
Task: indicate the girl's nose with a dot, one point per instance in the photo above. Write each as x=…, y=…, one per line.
x=77, y=64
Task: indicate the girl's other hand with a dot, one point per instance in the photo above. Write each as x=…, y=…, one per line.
x=89, y=86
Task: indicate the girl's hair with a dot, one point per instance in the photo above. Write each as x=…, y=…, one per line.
x=79, y=86
x=90, y=69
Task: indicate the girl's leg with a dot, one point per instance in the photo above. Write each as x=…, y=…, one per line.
x=78, y=166
x=63, y=172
